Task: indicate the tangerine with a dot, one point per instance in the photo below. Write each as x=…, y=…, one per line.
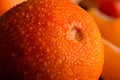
x=49, y=40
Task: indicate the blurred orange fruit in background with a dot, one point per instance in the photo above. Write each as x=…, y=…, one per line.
x=111, y=68
x=109, y=26
x=110, y=7
x=7, y=4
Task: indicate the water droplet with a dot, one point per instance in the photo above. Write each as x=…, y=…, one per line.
x=13, y=55
x=59, y=61
x=45, y=63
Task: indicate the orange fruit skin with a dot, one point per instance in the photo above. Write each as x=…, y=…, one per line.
x=109, y=27
x=111, y=68
x=5, y=5
x=49, y=40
